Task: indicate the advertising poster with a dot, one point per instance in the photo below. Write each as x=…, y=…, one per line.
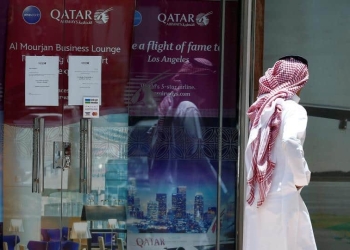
x=173, y=100
x=3, y=24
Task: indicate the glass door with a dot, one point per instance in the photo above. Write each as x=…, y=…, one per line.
x=65, y=160
x=33, y=124
x=97, y=41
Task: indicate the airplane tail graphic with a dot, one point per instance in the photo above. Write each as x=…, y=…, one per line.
x=211, y=233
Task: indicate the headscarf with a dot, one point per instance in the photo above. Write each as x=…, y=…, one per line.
x=280, y=83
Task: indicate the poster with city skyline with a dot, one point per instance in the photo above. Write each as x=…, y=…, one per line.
x=174, y=127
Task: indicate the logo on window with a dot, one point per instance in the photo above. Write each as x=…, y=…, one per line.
x=202, y=18
x=101, y=16
x=80, y=17
x=184, y=19
x=137, y=18
x=31, y=14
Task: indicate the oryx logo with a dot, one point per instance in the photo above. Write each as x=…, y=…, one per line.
x=202, y=18
x=101, y=16
x=31, y=14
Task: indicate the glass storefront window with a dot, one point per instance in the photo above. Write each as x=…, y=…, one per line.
x=120, y=123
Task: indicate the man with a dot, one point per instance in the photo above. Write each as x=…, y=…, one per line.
x=276, y=217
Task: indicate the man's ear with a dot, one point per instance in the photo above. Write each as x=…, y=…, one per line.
x=298, y=93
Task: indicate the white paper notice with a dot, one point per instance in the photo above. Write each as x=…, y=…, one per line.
x=84, y=78
x=41, y=80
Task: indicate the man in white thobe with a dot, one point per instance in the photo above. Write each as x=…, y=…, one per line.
x=275, y=216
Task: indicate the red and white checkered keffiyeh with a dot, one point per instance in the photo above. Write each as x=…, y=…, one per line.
x=279, y=83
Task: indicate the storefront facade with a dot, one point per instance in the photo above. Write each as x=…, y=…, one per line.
x=120, y=123
x=131, y=116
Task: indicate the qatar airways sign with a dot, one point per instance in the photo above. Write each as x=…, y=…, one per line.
x=181, y=19
x=96, y=26
x=72, y=16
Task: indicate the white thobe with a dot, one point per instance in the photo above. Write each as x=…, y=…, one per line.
x=283, y=221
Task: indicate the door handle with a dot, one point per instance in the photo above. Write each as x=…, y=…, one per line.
x=85, y=156
x=38, y=155
x=61, y=155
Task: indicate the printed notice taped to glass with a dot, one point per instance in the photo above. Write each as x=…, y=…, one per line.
x=41, y=80
x=91, y=107
x=84, y=78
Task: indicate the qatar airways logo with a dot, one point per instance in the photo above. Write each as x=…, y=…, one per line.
x=100, y=16
x=202, y=18
x=180, y=19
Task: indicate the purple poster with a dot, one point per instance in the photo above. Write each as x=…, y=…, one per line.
x=173, y=100
x=174, y=39
x=3, y=27
x=3, y=24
